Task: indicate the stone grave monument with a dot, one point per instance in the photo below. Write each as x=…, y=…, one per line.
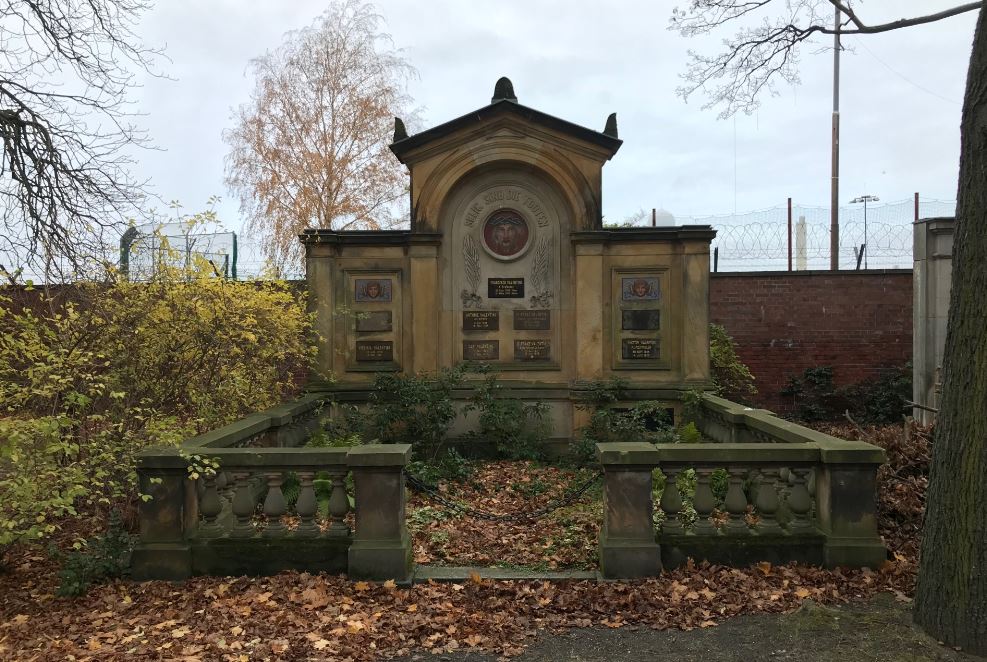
x=508, y=263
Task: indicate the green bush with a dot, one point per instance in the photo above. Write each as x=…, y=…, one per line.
x=731, y=378
x=646, y=421
x=86, y=384
x=415, y=409
x=877, y=401
x=104, y=557
x=448, y=465
x=517, y=429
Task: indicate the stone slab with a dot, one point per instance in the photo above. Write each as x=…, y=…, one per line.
x=640, y=320
x=639, y=349
x=481, y=350
x=424, y=573
x=532, y=320
x=505, y=288
x=377, y=320
x=532, y=350
x=481, y=320
x=368, y=351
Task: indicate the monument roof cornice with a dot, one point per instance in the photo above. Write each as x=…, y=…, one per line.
x=499, y=108
x=677, y=232
x=369, y=237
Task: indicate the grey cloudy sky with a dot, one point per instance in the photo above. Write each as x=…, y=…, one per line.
x=900, y=101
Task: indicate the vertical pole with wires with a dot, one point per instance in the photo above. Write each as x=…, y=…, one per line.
x=834, y=199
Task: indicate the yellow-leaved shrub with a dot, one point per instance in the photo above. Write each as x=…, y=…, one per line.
x=88, y=382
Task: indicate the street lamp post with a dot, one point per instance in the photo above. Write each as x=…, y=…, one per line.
x=865, y=199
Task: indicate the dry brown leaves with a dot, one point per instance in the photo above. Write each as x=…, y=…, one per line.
x=297, y=615
x=566, y=538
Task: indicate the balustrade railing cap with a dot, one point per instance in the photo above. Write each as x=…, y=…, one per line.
x=627, y=453
x=379, y=455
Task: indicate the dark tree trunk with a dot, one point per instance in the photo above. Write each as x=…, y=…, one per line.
x=951, y=599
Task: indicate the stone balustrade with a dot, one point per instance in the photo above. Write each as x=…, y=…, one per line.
x=267, y=509
x=793, y=495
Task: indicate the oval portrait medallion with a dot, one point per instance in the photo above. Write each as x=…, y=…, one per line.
x=506, y=234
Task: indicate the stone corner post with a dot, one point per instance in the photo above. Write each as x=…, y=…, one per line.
x=846, y=501
x=381, y=546
x=628, y=545
x=166, y=519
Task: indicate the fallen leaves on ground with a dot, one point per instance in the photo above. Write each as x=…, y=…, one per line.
x=298, y=615
x=304, y=616
x=566, y=538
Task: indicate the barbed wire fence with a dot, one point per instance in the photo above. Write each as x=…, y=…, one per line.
x=759, y=241
x=749, y=241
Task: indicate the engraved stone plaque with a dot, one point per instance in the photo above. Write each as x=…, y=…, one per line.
x=481, y=350
x=481, y=320
x=640, y=320
x=532, y=320
x=637, y=349
x=532, y=350
x=377, y=320
x=374, y=350
x=505, y=288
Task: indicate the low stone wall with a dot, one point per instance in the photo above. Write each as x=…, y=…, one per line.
x=792, y=494
x=201, y=521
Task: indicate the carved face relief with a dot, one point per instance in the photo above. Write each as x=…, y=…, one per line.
x=505, y=234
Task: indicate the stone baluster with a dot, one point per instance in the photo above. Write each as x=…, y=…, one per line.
x=305, y=506
x=339, y=504
x=274, y=505
x=736, y=503
x=210, y=506
x=767, y=502
x=224, y=483
x=671, y=502
x=243, y=505
x=800, y=503
x=704, y=503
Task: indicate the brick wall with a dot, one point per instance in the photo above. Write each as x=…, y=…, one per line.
x=785, y=322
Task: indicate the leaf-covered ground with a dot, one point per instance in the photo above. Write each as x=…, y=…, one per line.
x=301, y=616
x=565, y=538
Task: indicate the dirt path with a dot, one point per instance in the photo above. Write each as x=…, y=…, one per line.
x=880, y=629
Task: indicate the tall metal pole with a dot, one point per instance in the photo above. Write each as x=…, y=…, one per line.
x=834, y=202
x=789, y=234
x=866, y=247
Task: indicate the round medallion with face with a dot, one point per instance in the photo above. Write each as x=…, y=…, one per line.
x=505, y=234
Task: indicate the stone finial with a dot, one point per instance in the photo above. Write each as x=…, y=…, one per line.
x=611, y=128
x=400, y=133
x=504, y=90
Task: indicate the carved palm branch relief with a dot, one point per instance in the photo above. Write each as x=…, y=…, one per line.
x=471, y=269
x=541, y=273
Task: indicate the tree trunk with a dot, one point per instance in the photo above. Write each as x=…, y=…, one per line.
x=951, y=598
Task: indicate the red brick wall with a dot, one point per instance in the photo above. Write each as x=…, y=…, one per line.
x=785, y=322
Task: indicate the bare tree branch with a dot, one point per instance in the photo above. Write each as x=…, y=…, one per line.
x=761, y=53
x=66, y=127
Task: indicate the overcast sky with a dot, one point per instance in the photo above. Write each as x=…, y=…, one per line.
x=900, y=101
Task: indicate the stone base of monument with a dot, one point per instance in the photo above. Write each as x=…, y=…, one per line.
x=738, y=552
x=268, y=556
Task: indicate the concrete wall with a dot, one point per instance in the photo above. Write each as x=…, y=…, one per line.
x=857, y=322
x=932, y=278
